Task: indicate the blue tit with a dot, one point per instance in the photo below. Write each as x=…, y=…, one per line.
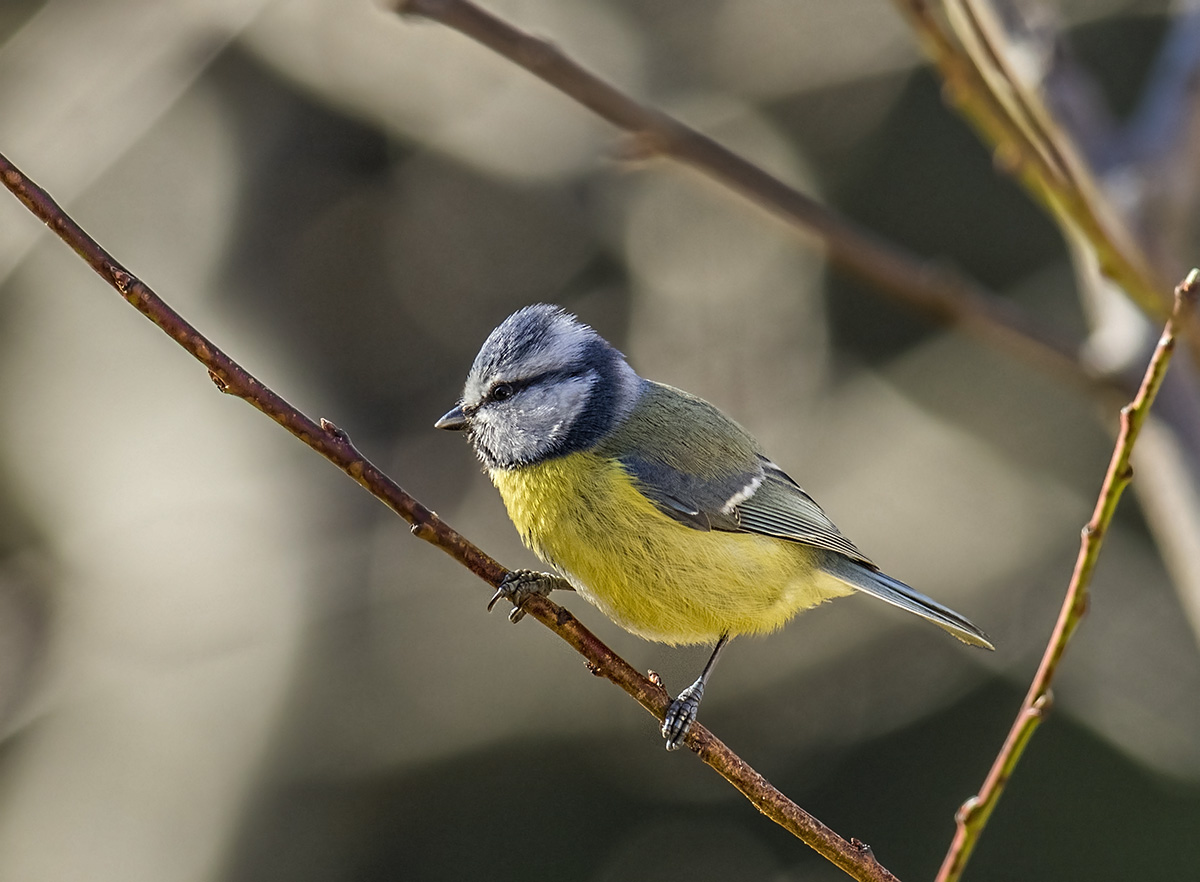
x=650, y=502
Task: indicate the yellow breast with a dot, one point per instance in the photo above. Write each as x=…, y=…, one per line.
x=650, y=574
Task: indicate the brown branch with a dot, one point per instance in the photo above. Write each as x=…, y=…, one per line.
x=975, y=812
x=937, y=291
x=332, y=443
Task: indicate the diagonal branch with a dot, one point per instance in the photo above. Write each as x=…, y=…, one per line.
x=974, y=55
x=937, y=291
x=975, y=812
x=853, y=857
x=967, y=45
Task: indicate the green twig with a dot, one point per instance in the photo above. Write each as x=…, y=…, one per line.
x=973, y=816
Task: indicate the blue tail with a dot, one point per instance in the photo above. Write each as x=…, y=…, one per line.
x=881, y=585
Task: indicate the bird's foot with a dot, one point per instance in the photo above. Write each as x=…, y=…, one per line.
x=681, y=714
x=519, y=585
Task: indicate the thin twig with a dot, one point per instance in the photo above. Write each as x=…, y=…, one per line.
x=332, y=443
x=973, y=816
x=937, y=291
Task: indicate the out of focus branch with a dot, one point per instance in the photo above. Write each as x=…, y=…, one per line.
x=1158, y=145
x=937, y=291
x=975, y=812
x=985, y=82
x=332, y=443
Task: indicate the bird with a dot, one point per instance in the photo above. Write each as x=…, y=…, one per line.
x=650, y=502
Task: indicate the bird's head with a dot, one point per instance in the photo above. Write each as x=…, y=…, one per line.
x=544, y=384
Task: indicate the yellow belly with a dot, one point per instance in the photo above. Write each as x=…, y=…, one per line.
x=650, y=574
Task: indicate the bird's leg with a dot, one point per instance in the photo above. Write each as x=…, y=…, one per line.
x=519, y=585
x=682, y=712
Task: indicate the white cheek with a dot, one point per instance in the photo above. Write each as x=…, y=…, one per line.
x=531, y=424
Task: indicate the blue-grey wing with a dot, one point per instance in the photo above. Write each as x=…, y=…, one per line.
x=780, y=507
x=758, y=500
x=695, y=501
x=704, y=470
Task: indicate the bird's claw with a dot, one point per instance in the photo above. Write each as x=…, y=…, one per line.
x=518, y=586
x=681, y=714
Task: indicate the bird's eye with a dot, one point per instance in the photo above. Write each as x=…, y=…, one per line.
x=501, y=392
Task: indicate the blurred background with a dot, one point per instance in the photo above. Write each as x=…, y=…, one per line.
x=221, y=660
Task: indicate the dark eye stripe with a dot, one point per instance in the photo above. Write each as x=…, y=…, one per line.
x=515, y=386
x=506, y=390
